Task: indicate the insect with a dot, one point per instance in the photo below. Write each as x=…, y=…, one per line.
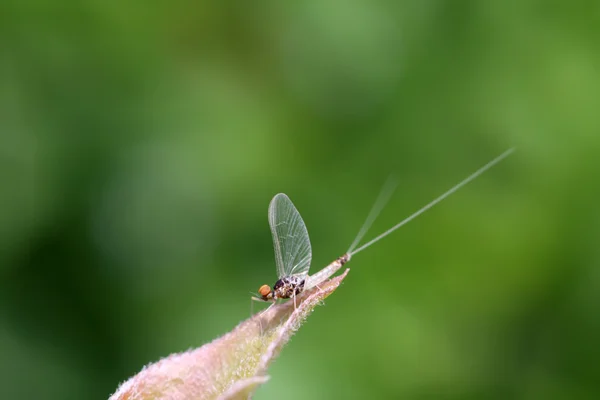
x=293, y=252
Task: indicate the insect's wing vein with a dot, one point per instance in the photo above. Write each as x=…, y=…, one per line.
x=291, y=243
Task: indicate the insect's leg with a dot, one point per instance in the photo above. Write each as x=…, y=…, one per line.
x=252, y=300
x=268, y=308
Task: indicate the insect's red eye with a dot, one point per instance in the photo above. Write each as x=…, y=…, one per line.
x=264, y=290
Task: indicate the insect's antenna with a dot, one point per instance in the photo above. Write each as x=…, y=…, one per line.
x=437, y=200
x=384, y=196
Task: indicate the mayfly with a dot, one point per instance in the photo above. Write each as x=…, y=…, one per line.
x=293, y=253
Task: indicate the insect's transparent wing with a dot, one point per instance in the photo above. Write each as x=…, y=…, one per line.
x=290, y=238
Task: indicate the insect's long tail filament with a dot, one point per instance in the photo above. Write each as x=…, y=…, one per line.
x=435, y=201
x=384, y=196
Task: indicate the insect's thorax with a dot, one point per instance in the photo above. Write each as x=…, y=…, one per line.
x=288, y=286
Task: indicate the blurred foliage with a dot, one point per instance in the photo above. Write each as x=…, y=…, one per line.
x=142, y=142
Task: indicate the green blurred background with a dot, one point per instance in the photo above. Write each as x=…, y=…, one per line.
x=142, y=143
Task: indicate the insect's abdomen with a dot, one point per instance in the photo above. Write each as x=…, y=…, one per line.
x=326, y=272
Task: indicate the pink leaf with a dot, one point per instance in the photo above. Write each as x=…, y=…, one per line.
x=232, y=366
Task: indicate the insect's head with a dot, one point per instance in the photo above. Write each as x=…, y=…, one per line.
x=265, y=292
